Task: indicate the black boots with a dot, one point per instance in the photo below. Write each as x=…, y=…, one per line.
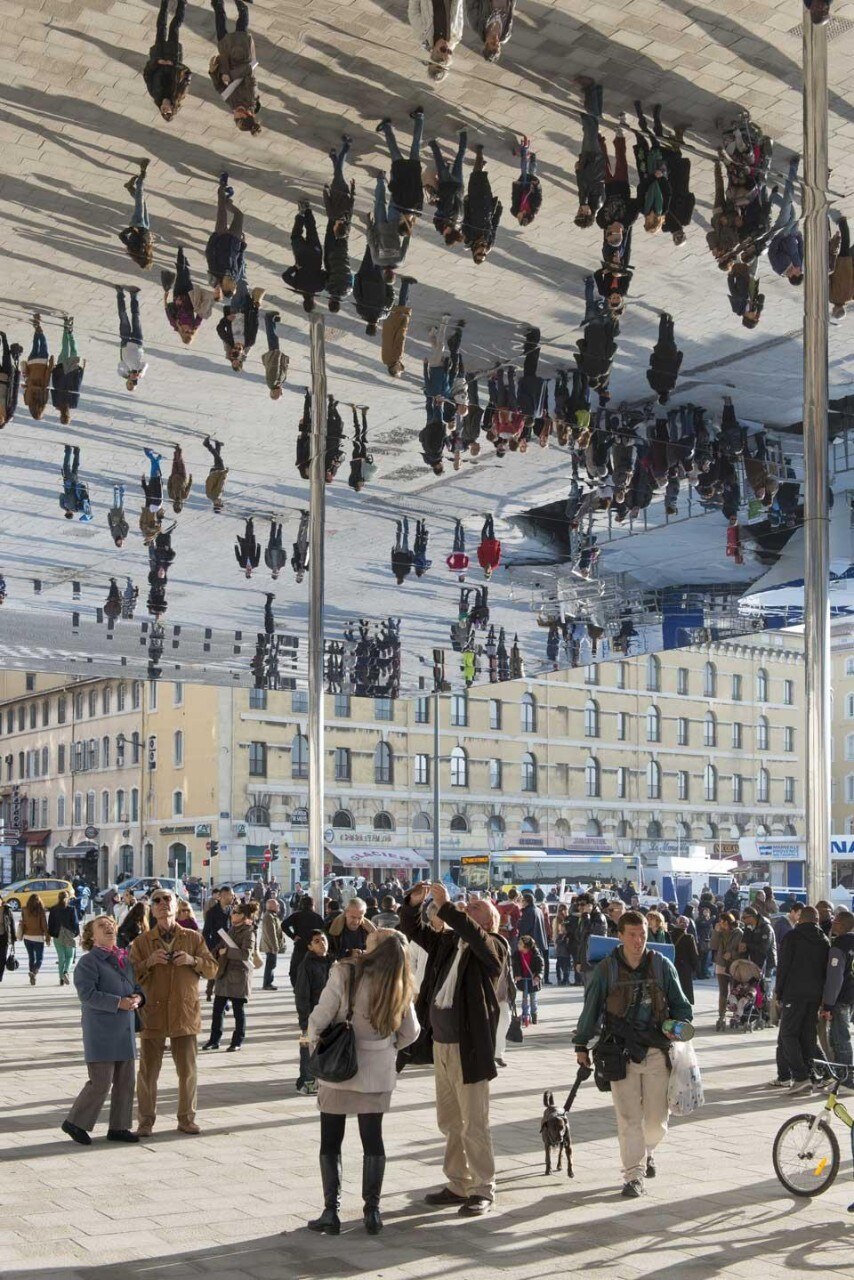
x=329, y=1222
x=373, y=1168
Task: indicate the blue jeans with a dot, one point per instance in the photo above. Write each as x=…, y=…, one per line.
x=270, y=326
x=840, y=1039
x=35, y=954
x=140, y=206
x=529, y=997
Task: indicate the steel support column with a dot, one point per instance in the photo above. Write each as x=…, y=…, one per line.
x=317, y=517
x=816, y=476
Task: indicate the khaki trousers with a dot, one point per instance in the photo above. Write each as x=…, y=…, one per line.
x=640, y=1102
x=150, y=1060
x=103, y=1077
x=462, y=1113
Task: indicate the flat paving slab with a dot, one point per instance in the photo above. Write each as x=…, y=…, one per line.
x=234, y=1201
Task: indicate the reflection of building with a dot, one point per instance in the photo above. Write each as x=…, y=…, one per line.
x=649, y=754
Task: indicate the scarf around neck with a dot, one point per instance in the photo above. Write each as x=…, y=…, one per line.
x=120, y=954
x=444, y=998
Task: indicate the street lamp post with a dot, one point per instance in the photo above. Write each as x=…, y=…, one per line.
x=317, y=517
x=816, y=478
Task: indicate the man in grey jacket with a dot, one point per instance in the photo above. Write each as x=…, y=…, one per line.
x=388, y=246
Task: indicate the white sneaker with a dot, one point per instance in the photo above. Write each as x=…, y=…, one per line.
x=798, y=1087
x=778, y=1084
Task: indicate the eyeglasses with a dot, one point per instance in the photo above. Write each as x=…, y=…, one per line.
x=161, y=898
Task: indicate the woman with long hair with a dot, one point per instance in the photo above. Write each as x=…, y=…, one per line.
x=726, y=937
x=135, y=922
x=379, y=983
x=34, y=933
x=64, y=927
x=234, y=980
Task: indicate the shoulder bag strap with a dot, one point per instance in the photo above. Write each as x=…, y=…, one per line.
x=351, y=998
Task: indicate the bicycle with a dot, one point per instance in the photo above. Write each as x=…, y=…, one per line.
x=806, y=1150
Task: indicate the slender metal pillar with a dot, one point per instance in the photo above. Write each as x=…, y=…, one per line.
x=437, y=759
x=816, y=475
x=317, y=515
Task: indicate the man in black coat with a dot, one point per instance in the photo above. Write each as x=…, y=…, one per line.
x=759, y=943
x=467, y=961
x=307, y=276
x=665, y=361
x=217, y=916
x=801, y=971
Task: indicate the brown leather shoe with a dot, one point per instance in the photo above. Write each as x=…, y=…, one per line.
x=144, y=1130
x=188, y=1126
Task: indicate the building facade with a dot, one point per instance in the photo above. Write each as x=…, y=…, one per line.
x=643, y=756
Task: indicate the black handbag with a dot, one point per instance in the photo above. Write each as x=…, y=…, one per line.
x=333, y=1058
x=12, y=962
x=514, y=1031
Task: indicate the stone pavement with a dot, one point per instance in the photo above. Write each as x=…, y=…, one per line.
x=234, y=1201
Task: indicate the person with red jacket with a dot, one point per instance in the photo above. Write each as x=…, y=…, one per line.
x=489, y=551
x=458, y=561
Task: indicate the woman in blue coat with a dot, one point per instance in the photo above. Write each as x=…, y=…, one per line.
x=109, y=996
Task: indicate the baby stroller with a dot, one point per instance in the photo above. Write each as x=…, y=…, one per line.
x=746, y=151
x=747, y=1003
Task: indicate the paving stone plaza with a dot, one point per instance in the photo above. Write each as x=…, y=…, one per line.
x=218, y=1204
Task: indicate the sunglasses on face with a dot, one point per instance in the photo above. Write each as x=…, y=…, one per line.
x=161, y=898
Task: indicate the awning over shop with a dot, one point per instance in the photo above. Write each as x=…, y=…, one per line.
x=75, y=850
x=362, y=856
x=35, y=838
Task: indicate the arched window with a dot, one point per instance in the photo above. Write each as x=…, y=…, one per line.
x=136, y=695
x=529, y=713
x=134, y=804
x=383, y=764
x=495, y=824
x=563, y=833
x=60, y=810
x=710, y=782
x=258, y=815
x=529, y=772
x=121, y=814
x=342, y=820
x=105, y=807
x=624, y=829
x=177, y=804
x=135, y=745
x=593, y=827
x=121, y=696
x=90, y=808
x=710, y=730
x=78, y=808
x=653, y=830
x=299, y=756
x=421, y=822
x=530, y=826
x=178, y=748
x=592, y=778
x=459, y=768
x=653, y=725
x=591, y=718
x=459, y=823
x=849, y=746
x=653, y=674
x=105, y=752
x=383, y=822
x=761, y=685
x=710, y=680
x=763, y=787
x=653, y=780
x=106, y=700
x=763, y=734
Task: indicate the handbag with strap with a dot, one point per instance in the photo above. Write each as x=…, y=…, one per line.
x=514, y=1031
x=333, y=1058
x=12, y=962
x=66, y=937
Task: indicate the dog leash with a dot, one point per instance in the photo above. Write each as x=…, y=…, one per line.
x=584, y=1073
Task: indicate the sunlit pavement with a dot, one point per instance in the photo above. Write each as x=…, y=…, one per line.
x=235, y=1201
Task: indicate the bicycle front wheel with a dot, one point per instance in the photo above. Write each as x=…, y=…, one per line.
x=806, y=1155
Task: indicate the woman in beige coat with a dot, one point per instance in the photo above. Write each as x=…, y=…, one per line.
x=384, y=1022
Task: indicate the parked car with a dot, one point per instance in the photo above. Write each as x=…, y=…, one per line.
x=15, y=895
x=142, y=886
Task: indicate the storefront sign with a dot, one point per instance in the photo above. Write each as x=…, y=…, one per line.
x=782, y=849
x=333, y=835
x=203, y=829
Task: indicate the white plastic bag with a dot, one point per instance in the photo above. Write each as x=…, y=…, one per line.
x=685, y=1088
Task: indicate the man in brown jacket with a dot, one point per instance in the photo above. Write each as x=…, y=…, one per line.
x=232, y=70
x=168, y=962
x=215, y=483
x=842, y=275
x=395, y=329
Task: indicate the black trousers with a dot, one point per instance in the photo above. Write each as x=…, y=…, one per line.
x=370, y=1131
x=270, y=961
x=797, y=1040
x=4, y=947
x=239, y=1007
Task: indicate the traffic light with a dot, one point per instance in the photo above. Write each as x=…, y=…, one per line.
x=214, y=846
x=206, y=862
x=274, y=852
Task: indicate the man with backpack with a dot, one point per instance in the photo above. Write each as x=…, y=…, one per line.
x=632, y=992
